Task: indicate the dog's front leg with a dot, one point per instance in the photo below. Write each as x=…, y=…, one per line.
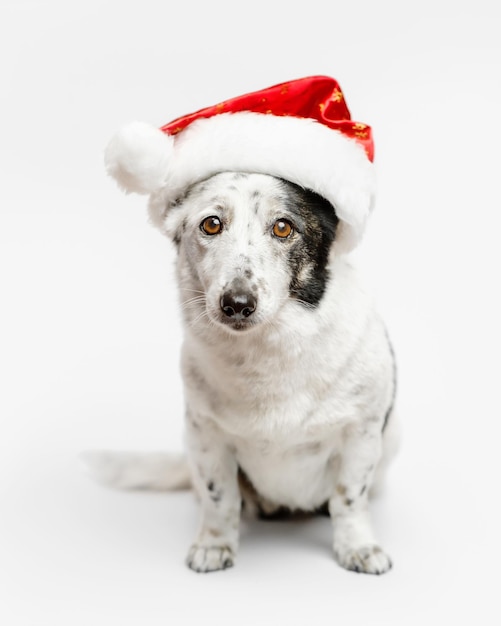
x=215, y=476
x=354, y=544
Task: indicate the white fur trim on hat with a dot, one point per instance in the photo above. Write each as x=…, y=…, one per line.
x=138, y=157
x=146, y=160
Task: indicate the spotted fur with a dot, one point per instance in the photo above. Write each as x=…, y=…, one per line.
x=288, y=372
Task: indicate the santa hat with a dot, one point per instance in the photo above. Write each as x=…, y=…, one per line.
x=300, y=131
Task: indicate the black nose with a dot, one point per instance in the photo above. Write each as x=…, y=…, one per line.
x=238, y=305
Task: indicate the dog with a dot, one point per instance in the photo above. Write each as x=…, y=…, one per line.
x=288, y=371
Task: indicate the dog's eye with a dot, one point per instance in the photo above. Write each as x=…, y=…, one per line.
x=282, y=229
x=211, y=225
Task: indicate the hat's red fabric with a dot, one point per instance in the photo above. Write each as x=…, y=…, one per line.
x=316, y=97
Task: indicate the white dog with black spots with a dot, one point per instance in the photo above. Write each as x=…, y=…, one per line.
x=288, y=372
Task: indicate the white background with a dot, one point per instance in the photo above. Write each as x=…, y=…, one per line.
x=90, y=333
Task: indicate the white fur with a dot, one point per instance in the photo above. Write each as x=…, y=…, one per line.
x=296, y=400
x=134, y=470
x=138, y=156
x=300, y=150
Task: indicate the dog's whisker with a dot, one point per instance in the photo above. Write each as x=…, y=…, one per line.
x=201, y=297
x=194, y=321
x=193, y=301
x=306, y=305
x=192, y=290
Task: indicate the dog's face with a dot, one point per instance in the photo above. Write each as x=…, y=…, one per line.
x=249, y=246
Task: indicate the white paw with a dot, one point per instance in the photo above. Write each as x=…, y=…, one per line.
x=366, y=559
x=209, y=558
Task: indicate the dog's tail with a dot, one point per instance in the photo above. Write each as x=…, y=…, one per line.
x=154, y=471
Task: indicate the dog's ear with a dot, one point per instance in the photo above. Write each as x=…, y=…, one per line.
x=344, y=242
x=167, y=215
x=174, y=226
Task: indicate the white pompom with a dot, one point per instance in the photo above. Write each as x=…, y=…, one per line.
x=137, y=157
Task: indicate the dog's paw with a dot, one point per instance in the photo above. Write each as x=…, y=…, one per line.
x=209, y=558
x=366, y=559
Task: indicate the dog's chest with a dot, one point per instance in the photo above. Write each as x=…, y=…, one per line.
x=267, y=392
x=281, y=405
x=279, y=415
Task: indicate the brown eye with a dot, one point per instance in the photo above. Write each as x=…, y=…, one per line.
x=282, y=229
x=211, y=225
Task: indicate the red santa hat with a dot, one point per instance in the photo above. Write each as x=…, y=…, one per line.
x=300, y=131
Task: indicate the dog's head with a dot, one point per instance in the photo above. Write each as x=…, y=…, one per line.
x=250, y=245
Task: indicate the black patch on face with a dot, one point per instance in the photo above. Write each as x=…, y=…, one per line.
x=311, y=248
